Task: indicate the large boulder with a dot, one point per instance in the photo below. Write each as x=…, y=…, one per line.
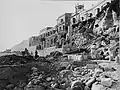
x=106, y=82
x=97, y=72
x=65, y=73
x=77, y=85
x=91, y=66
x=90, y=82
x=97, y=86
x=107, y=66
x=113, y=75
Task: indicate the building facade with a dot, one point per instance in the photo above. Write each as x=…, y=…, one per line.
x=63, y=25
x=45, y=39
x=69, y=29
x=83, y=20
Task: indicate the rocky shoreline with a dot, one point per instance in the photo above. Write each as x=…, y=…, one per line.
x=97, y=69
x=56, y=72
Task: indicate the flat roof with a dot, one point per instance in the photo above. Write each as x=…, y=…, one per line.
x=99, y=3
x=45, y=31
x=63, y=15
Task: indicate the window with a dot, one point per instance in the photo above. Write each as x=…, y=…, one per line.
x=59, y=28
x=98, y=10
x=90, y=14
x=63, y=27
x=44, y=44
x=82, y=18
x=50, y=32
x=48, y=43
x=54, y=31
x=66, y=27
x=61, y=20
x=74, y=20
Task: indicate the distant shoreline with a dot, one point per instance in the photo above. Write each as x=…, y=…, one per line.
x=6, y=53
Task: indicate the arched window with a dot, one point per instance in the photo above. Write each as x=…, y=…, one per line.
x=82, y=18
x=98, y=10
x=61, y=20
x=53, y=32
x=74, y=20
x=48, y=33
x=90, y=14
x=59, y=28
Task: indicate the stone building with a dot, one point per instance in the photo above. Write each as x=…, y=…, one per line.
x=42, y=37
x=45, y=39
x=82, y=20
x=63, y=25
x=48, y=38
x=63, y=22
x=33, y=41
x=73, y=30
x=52, y=37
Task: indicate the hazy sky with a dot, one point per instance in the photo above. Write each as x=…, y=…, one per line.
x=21, y=19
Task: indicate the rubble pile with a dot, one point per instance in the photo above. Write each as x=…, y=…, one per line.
x=97, y=38
x=59, y=73
x=101, y=76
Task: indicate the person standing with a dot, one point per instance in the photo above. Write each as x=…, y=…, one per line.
x=36, y=54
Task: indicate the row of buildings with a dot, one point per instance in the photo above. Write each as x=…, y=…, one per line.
x=62, y=33
x=49, y=36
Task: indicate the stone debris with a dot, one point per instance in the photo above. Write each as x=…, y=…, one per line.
x=90, y=82
x=97, y=86
x=97, y=69
x=61, y=74
x=106, y=82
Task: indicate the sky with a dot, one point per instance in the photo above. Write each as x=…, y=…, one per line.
x=21, y=19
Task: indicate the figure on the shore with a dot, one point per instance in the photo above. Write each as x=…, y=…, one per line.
x=36, y=54
x=25, y=52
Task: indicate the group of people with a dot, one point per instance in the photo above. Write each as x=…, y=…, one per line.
x=26, y=53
